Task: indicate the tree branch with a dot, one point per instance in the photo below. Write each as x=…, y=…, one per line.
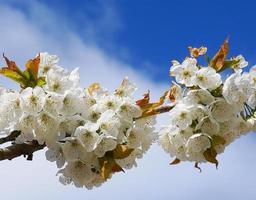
x=16, y=150
x=13, y=135
x=164, y=109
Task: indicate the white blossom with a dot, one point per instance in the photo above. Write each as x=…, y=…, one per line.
x=238, y=88
x=222, y=111
x=241, y=64
x=104, y=144
x=88, y=136
x=199, y=96
x=47, y=62
x=207, y=78
x=198, y=143
x=31, y=100
x=181, y=116
x=184, y=73
x=128, y=110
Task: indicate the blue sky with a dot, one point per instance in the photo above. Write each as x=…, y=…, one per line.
x=149, y=33
x=109, y=40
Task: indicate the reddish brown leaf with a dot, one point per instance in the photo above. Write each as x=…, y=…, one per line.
x=106, y=169
x=218, y=60
x=149, y=109
x=12, y=65
x=117, y=168
x=150, y=106
x=108, y=166
x=210, y=155
x=195, y=52
x=175, y=161
x=121, y=151
x=32, y=66
x=144, y=101
x=172, y=93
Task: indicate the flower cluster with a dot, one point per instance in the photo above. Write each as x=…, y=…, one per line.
x=208, y=113
x=89, y=133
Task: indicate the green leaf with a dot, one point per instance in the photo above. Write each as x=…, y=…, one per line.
x=41, y=81
x=231, y=63
x=27, y=75
x=12, y=75
x=12, y=71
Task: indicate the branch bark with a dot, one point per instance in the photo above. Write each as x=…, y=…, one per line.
x=13, y=135
x=16, y=150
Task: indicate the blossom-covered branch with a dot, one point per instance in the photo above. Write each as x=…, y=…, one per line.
x=92, y=133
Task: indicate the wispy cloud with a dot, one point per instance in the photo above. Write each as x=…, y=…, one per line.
x=23, y=34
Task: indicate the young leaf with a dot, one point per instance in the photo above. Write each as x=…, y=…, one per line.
x=175, y=161
x=217, y=140
x=149, y=109
x=121, y=151
x=231, y=63
x=11, y=65
x=219, y=59
x=106, y=168
x=32, y=67
x=27, y=78
x=210, y=155
x=173, y=92
x=93, y=87
x=41, y=81
x=12, y=71
x=117, y=168
x=144, y=101
x=195, y=52
x=108, y=165
x=14, y=75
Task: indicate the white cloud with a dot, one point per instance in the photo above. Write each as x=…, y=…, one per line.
x=21, y=37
